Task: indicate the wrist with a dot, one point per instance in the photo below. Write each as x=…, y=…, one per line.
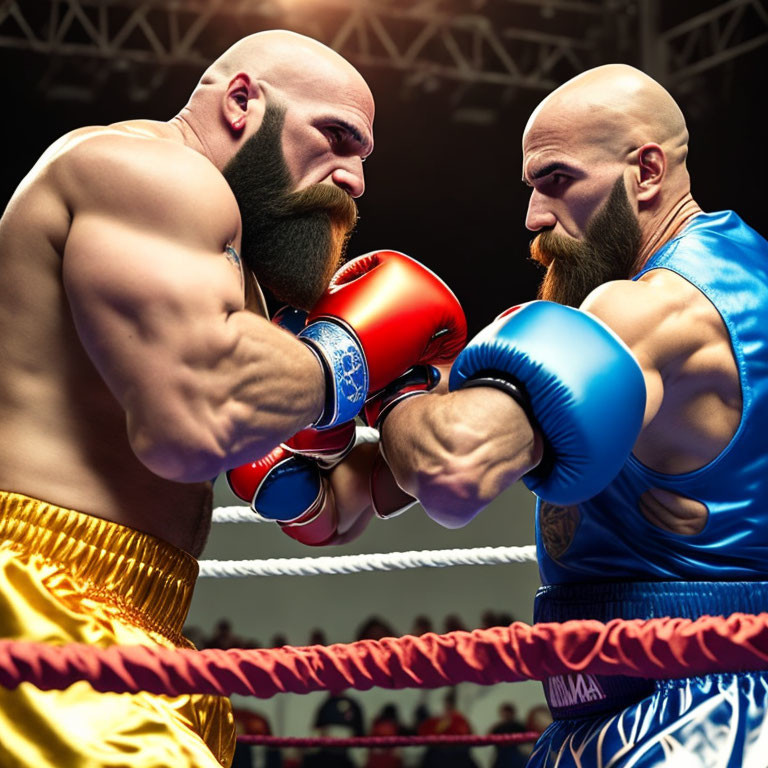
x=417, y=380
x=344, y=368
x=315, y=373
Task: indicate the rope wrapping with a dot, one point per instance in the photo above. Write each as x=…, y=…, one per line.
x=236, y=514
x=377, y=742
x=389, y=561
x=656, y=648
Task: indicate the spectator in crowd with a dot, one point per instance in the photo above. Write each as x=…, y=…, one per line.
x=488, y=619
x=386, y=723
x=421, y=625
x=491, y=618
x=223, y=637
x=538, y=719
x=247, y=721
x=317, y=637
x=509, y=756
x=420, y=713
x=339, y=716
x=450, y=722
x=453, y=623
x=196, y=636
x=375, y=628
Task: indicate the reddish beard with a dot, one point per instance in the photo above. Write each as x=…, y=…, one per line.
x=608, y=251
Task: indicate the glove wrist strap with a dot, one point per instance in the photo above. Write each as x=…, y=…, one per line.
x=345, y=368
x=504, y=383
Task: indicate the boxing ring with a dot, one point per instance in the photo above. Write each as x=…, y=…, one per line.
x=659, y=648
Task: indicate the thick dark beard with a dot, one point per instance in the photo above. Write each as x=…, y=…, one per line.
x=293, y=242
x=609, y=251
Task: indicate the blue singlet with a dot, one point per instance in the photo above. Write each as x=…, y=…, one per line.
x=603, y=559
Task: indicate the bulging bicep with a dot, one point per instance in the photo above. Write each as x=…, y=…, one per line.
x=142, y=302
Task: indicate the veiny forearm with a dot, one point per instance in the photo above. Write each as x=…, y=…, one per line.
x=238, y=391
x=456, y=452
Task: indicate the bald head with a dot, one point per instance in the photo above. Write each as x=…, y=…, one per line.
x=328, y=107
x=604, y=155
x=615, y=108
x=289, y=62
x=288, y=122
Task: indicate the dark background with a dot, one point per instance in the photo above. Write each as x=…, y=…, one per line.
x=445, y=191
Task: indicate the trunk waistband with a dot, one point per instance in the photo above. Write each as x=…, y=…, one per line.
x=147, y=578
x=580, y=695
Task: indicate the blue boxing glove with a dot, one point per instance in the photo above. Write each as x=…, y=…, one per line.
x=281, y=486
x=290, y=490
x=290, y=318
x=579, y=383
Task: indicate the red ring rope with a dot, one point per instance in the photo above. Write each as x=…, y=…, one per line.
x=379, y=742
x=656, y=648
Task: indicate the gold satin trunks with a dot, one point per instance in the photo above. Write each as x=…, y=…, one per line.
x=67, y=577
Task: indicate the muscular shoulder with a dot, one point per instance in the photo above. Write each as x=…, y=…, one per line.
x=155, y=181
x=661, y=316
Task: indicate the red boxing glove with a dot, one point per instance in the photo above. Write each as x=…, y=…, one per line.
x=317, y=527
x=325, y=446
x=387, y=497
x=402, y=313
x=415, y=381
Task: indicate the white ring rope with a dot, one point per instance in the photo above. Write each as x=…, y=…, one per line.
x=390, y=561
x=239, y=514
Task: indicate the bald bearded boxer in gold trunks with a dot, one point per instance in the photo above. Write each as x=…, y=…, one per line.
x=139, y=362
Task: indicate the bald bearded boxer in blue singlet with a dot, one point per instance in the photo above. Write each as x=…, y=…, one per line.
x=639, y=419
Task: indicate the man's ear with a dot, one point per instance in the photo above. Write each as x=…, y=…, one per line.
x=651, y=170
x=242, y=102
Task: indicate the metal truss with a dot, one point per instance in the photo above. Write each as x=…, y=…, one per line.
x=512, y=44
x=712, y=38
x=427, y=40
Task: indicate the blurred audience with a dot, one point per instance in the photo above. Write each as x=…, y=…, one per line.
x=491, y=618
x=509, y=756
x=374, y=628
x=453, y=623
x=317, y=637
x=539, y=718
x=339, y=716
x=248, y=721
x=196, y=636
x=386, y=723
x=450, y=722
x=223, y=637
x=421, y=625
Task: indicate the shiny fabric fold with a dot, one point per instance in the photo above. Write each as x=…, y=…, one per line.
x=67, y=577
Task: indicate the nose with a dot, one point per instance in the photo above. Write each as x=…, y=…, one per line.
x=350, y=177
x=540, y=215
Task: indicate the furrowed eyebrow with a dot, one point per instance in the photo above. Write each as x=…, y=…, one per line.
x=356, y=134
x=547, y=170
